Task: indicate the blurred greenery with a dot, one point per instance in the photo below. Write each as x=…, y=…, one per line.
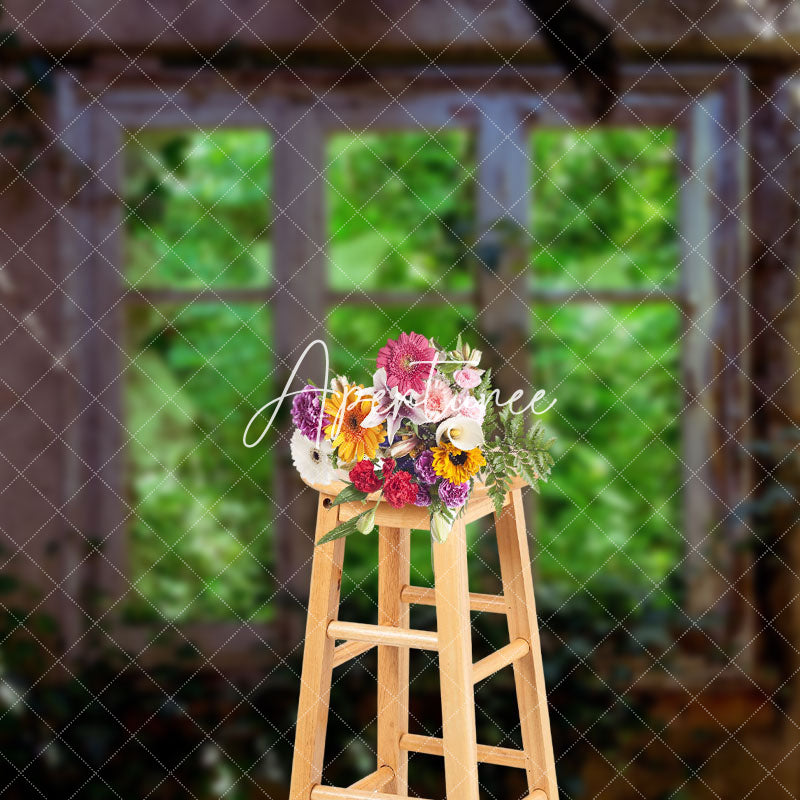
x=605, y=209
x=199, y=209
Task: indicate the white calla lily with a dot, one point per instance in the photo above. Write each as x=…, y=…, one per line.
x=463, y=432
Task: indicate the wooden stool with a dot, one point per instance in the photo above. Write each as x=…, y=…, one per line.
x=393, y=638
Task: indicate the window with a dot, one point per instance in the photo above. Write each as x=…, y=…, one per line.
x=198, y=334
x=232, y=263
x=607, y=339
x=400, y=217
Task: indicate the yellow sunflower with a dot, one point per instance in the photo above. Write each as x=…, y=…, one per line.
x=457, y=466
x=347, y=409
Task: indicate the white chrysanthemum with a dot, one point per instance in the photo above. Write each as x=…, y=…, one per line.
x=312, y=462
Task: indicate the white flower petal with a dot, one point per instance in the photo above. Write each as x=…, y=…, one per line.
x=463, y=432
x=313, y=463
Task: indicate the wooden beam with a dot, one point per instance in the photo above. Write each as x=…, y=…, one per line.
x=299, y=270
x=394, y=571
x=383, y=635
x=515, y=570
x=512, y=652
x=158, y=295
x=315, y=683
x=698, y=145
x=375, y=781
x=652, y=294
x=487, y=754
x=423, y=596
x=380, y=298
x=349, y=650
x=333, y=793
x=430, y=297
x=455, y=664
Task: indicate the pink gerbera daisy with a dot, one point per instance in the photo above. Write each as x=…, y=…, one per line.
x=404, y=362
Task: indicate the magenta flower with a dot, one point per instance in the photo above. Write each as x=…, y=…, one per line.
x=423, y=466
x=423, y=496
x=453, y=495
x=306, y=413
x=408, y=362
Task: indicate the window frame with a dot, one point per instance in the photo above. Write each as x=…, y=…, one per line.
x=500, y=106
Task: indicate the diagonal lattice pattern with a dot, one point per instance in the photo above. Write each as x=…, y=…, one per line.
x=321, y=101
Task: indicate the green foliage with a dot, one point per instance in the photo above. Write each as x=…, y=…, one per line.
x=346, y=528
x=198, y=210
x=400, y=210
x=401, y=215
x=348, y=495
x=605, y=206
x=515, y=445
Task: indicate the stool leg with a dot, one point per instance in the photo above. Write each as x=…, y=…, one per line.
x=315, y=682
x=455, y=665
x=515, y=569
x=393, y=574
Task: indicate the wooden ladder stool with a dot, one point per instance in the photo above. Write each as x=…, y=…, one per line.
x=393, y=638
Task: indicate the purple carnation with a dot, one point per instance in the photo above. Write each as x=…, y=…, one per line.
x=423, y=466
x=306, y=411
x=423, y=496
x=454, y=495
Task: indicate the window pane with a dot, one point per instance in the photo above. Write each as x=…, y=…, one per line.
x=198, y=209
x=612, y=511
x=604, y=208
x=201, y=528
x=400, y=209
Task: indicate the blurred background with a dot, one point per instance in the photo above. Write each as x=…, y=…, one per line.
x=598, y=195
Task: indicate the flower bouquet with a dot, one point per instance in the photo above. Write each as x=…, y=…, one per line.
x=427, y=429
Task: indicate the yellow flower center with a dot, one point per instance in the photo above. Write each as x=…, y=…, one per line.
x=455, y=433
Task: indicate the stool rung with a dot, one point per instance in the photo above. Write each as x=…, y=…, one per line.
x=349, y=650
x=332, y=793
x=487, y=754
x=512, y=652
x=383, y=635
x=422, y=596
x=375, y=781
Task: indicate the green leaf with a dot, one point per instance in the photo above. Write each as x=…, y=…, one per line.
x=348, y=494
x=343, y=529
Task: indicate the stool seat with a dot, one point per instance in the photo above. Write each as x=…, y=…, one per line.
x=451, y=641
x=479, y=505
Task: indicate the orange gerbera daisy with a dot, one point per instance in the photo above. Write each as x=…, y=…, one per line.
x=347, y=410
